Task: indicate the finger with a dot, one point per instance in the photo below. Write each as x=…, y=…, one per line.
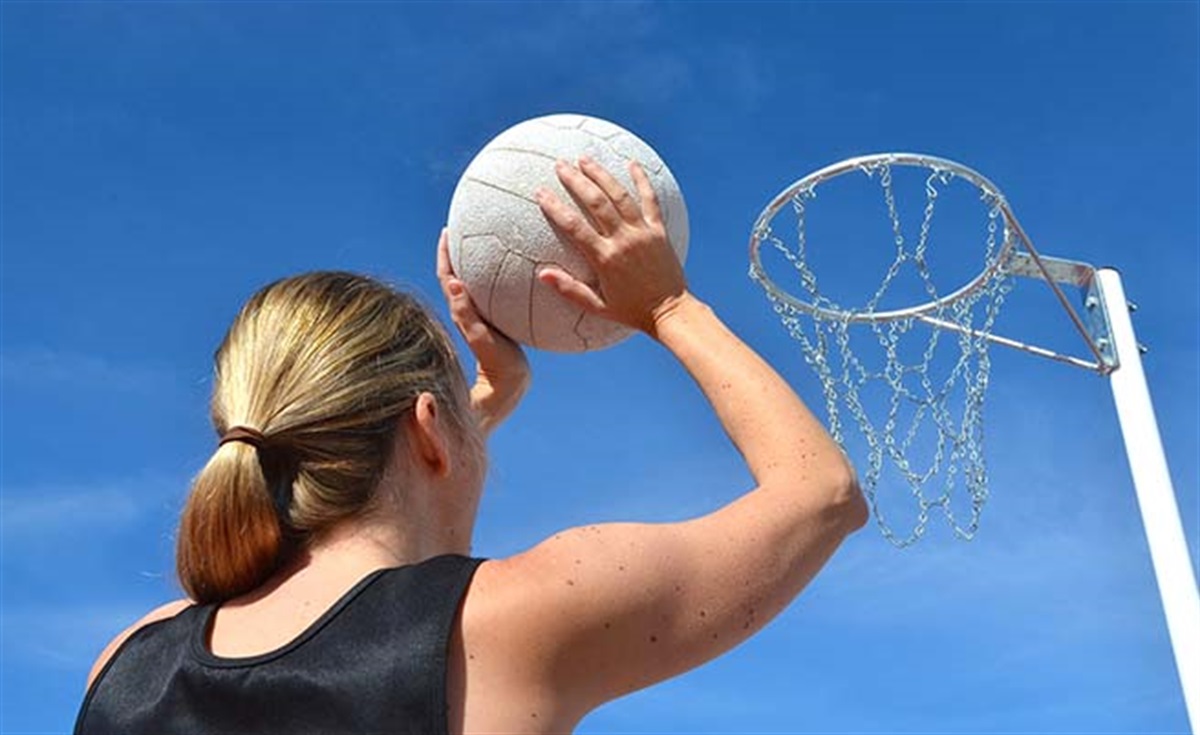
x=571, y=225
x=646, y=192
x=462, y=309
x=490, y=346
x=444, y=270
x=592, y=200
x=480, y=336
x=572, y=289
x=625, y=204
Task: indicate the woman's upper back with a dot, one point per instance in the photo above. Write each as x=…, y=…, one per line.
x=530, y=643
x=374, y=661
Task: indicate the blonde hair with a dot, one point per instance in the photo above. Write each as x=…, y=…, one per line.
x=323, y=365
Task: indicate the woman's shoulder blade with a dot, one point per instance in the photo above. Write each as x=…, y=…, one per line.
x=163, y=612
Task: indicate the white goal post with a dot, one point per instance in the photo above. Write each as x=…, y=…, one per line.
x=1155, y=493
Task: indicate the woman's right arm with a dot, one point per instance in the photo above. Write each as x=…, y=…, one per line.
x=601, y=611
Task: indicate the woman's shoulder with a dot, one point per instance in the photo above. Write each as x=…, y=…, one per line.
x=169, y=610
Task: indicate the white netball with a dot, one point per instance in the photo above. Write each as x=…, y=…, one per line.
x=499, y=237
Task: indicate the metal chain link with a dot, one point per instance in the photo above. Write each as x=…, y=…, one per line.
x=959, y=449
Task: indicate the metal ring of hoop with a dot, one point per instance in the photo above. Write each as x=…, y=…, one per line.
x=869, y=163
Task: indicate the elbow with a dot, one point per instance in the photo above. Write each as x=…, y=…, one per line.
x=829, y=495
x=846, y=503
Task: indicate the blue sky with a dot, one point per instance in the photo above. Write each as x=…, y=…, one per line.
x=161, y=161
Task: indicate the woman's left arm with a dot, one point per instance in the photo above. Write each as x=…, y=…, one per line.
x=501, y=370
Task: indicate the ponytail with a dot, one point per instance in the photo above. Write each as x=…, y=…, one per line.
x=230, y=535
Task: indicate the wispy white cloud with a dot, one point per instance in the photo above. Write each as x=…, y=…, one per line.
x=44, y=366
x=556, y=31
x=1046, y=570
x=65, y=637
x=52, y=508
x=63, y=511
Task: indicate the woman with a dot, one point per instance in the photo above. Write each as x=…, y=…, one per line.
x=324, y=547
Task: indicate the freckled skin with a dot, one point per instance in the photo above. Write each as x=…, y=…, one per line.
x=530, y=653
x=563, y=637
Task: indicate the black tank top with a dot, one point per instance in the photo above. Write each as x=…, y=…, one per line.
x=375, y=662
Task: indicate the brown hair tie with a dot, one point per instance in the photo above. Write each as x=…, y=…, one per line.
x=253, y=437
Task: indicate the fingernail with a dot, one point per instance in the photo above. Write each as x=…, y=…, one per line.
x=586, y=159
x=561, y=163
x=456, y=288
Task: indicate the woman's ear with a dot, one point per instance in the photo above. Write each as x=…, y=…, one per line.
x=429, y=439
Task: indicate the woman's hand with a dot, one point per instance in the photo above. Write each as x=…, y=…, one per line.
x=623, y=239
x=501, y=370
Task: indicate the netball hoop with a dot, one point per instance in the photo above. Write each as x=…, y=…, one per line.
x=864, y=353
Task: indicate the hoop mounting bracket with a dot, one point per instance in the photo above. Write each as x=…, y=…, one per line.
x=1095, y=320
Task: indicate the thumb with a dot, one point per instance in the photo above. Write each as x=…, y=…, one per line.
x=572, y=289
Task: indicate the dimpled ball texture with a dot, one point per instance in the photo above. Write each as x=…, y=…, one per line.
x=499, y=237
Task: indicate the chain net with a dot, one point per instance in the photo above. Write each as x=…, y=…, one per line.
x=910, y=383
